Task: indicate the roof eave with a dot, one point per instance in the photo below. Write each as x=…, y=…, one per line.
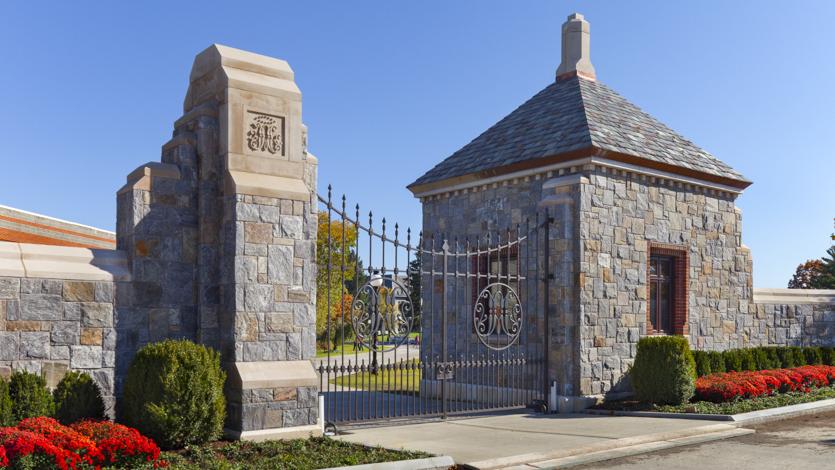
x=419, y=189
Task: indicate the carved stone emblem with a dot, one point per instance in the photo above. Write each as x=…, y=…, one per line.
x=265, y=133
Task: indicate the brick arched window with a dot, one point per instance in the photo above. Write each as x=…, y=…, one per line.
x=667, y=283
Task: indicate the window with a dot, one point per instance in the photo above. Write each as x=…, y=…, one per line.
x=491, y=267
x=667, y=290
x=661, y=293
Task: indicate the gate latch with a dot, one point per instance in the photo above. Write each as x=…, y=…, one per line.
x=444, y=371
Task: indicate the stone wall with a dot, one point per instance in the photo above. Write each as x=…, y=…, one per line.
x=620, y=215
x=49, y=325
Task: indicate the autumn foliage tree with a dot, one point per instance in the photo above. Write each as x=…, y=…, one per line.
x=335, y=248
x=807, y=275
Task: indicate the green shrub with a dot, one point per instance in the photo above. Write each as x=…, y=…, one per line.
x=799, y=356
x=29, y=396
x=761, y=359
x=717, y=361
x=173, y=393
x=828, y=356
x=664, y=370
x=77, y=397
x=6, y=415
x=747, y=360
x=702, y=359
x=786, y=357
x=733, y=360
x=813, y=356
x=773, y=359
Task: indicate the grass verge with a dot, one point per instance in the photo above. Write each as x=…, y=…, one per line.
x=313, y=453
x=391, y=380
x=737, y=406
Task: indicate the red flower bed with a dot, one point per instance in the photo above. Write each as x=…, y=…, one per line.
x=119, y=445
x=64, y=437
x=19, y=444
x=749, y=384
x=87, y=444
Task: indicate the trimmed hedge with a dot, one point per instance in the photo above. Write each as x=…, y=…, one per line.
x=762, y=358
x=30, y=397
x=664, y=370
x=173, y=393
x=6, y=414
x=77, y=397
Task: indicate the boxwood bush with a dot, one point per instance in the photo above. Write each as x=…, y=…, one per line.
x=762, y=358
x=77, y=397
x=664, y=370
x=29, y=395
x=6, y=415
x=173, y=393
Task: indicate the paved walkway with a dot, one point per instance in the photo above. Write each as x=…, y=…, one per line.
x=506, y=440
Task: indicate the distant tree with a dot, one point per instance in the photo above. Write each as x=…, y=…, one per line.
x=414, y=288
x=827, y=277
x=816, y=273
x=807, y=275
x=335, y=249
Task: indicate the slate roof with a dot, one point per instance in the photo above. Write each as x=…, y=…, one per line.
x=574, y=114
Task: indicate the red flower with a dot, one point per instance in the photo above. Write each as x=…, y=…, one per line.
x=18, y=443
x=119, y=445
x=728, y=386
x=4, y=461
x=63, y=437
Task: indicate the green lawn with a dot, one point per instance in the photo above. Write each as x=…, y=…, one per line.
x=741, y=405
x=348, y=348
x=313, y=453
x=393, y=380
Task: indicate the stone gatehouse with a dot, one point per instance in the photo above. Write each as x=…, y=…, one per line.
x=216, y=243
x=649, y=238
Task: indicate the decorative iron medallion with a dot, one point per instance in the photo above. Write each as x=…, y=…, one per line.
x=497, y=316
x=382, y=317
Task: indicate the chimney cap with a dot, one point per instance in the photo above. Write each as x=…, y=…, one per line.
x=576, y=56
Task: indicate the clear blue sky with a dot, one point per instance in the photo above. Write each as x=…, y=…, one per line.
x=89, y=91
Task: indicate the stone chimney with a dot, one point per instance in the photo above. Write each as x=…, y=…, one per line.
x=576, y=58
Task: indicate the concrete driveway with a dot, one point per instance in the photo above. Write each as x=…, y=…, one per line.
x=807, y=442
x=524, y=440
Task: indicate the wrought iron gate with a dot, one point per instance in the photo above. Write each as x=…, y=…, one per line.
x=428, y=326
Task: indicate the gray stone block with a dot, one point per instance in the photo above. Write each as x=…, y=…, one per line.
x=9, y=342
x=34, y=345
x=41, y=306
x=65, y=332
x=280, y=267
x=9, y=288
x=85, y=357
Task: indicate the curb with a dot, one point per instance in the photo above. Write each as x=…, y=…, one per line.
x=752, y=417
x=431, y=463
x=660, y=414
x=784, y=412
x=613, y=448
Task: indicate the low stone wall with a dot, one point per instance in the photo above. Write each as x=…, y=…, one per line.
x=57, y=312
x=790, y=317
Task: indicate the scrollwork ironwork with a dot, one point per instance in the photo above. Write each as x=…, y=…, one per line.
x=382, y=317
x=497, y=316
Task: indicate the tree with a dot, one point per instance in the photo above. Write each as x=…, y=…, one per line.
x=335, y=249
x=827, y=277
x=807, y=275
x=414, y=288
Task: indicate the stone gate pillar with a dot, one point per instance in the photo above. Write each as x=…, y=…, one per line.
x=256, y=266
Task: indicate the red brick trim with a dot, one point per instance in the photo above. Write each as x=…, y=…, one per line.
x=681, y=284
